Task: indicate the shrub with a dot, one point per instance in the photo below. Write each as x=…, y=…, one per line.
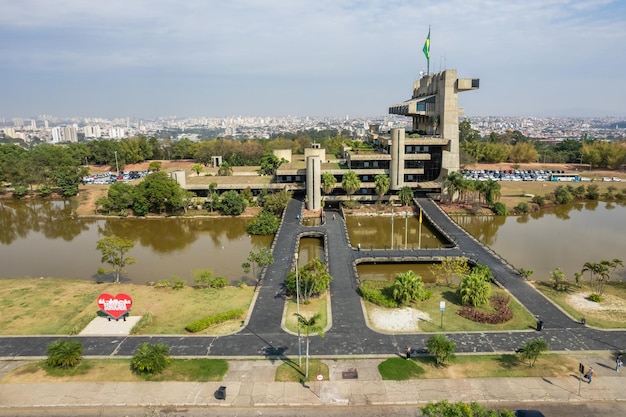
x=204, y=323
x=596, y=298
x=502, y=313
x=144, y=321
x=539, y=200
x=64, y=353
x=500, y=209
x=441, y=347
x=151, y=358
x=266, y=223
x=179, y=284
x=523, y=207
x=164, y=283
x=377, y=292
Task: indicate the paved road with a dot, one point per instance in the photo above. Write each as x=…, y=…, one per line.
x=349, y=335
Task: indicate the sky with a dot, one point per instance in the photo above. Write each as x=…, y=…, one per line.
x=213, y=58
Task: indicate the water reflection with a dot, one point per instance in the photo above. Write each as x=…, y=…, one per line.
x=564, y=236
x=42, y=239
x=388, y=272
x=310, y=248
x=374, y=232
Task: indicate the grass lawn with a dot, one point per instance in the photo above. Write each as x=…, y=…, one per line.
x=289, y=371
x=610, y=313
x=118, y=370
x=477, y=366
x=317, y=305
x=452, y=322
x=57, y=306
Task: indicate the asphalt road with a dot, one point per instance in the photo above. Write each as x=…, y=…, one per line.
x=549, y=409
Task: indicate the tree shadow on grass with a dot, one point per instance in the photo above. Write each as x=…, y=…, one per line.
x=508, y=361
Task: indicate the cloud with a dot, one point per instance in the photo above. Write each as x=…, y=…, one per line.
x=516, y=45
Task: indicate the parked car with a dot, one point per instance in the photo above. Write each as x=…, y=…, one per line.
x=528, y=413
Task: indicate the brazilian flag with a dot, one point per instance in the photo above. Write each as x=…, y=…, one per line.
x=426, y=48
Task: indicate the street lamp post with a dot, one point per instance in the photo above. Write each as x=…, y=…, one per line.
x=406, y=228
x=298, y=310
x=391, y=227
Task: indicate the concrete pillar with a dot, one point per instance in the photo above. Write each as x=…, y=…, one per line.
x=314, y=182
x=396, y=169
x=179, y=177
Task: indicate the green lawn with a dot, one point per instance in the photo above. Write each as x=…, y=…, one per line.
x=477, y=366
x=610, y=313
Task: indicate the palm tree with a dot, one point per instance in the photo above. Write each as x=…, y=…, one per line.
x=492, y=192
x=408, y=287
x=328, y=182
x=350, y=183
x=405, y=194
x=225, y=170
x=474, y=289
x=311, y=325
x=197, y=168
x=452, y=184
x=381, y=185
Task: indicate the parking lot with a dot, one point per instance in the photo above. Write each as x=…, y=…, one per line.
x=111, y=177
x=527, y=175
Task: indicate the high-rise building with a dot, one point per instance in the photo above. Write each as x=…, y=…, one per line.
x=70, y=134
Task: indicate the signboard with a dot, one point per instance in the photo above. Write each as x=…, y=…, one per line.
x=320, y=377
x=116, y=306
x=442, y=305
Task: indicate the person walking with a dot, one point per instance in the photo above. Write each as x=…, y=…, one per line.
x=590, y=374
x=618, y=362
x=408, y=352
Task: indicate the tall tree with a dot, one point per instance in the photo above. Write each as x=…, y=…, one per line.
x=381, y=185
x=114, y=252
x=328, y=182
x=257, y=261
x=350, y=183
x=405, y=194
x=310, y=325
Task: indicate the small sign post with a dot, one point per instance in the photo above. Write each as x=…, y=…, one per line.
x=442, y=307
x=581, y=369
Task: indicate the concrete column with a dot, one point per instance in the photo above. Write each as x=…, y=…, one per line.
x=180, y=178
x=396, y=169
x=314, y=182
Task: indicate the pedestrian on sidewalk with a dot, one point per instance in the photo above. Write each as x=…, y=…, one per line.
x=590, y=374
x=408, y=352
x=618, y=362
x=333, y=216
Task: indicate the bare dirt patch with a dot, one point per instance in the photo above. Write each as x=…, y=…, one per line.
x=611, y=307
x=397, y=319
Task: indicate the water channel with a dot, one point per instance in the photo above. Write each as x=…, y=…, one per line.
x=43, y=240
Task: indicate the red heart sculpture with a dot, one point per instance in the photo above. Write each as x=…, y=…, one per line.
x=116, y=306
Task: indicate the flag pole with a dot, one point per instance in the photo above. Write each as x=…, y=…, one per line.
x=419, y=239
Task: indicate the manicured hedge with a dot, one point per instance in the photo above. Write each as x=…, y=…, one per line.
x=377, y=292
x=202, y=324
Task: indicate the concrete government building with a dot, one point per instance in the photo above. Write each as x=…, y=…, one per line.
x=419, y=158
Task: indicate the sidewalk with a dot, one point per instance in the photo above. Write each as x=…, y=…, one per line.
x=250, y=383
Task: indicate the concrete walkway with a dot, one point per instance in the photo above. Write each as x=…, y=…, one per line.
x=250, y=383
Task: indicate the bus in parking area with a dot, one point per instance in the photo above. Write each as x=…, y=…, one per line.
x=565, y=177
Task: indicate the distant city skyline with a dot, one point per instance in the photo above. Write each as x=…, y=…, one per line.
x=275, y=58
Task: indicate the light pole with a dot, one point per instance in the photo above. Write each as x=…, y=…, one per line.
x=406, y=228
x=391, y=227
x=298, y=311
